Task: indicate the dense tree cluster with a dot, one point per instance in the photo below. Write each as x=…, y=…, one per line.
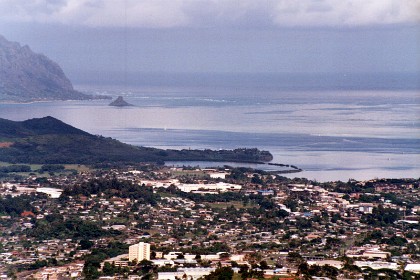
x=199, y=198
x=15, y=168
x=381, y=216
x=14, y=206
x=222, y=273
x=52, y=167
x=54, y=226
x=94, y=259
x=113, y=188
x=315, y=270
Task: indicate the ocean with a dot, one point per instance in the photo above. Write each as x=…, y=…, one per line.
x=331, y=133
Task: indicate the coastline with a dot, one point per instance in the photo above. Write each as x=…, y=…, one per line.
x=257, y=165
x=377, y=149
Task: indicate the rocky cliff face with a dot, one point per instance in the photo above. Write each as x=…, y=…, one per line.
x=26, y=76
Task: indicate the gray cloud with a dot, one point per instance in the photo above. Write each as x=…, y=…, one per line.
x=199, y=13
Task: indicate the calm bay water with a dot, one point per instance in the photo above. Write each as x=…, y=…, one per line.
x=332, y=135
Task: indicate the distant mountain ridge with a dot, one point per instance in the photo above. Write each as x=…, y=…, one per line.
x=28, y=76
x=49, y=140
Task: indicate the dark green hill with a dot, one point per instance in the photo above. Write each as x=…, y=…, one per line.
x=33, y=127
x=11, y=129
x=50, y=125
x=48, y=140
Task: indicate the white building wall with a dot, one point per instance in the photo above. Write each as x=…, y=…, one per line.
x=139, y=252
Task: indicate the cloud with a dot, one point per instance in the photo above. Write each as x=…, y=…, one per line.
x=345, y=12
x=202, y=13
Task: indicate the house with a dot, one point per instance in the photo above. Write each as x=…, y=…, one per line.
x=413, y=267
x=170, y=275
x=366, y=208
x=377, y=265
x=162, y=262
x=265, y=192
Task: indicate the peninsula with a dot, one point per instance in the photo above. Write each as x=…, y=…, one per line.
x=49, y=140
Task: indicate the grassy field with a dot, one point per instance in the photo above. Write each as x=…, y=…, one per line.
x=236, y=276
x=35, y=167
x=224, y=205
x=190, y=173
x=78, y=167
x=162, y=194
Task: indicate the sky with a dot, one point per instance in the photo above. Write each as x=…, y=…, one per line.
x=101, y=38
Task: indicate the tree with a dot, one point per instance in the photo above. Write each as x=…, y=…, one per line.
x=146, y=266
x=256, y=180
x=303, y=270
x=109, y=269
x=243, y=268
x=329, y=271
x=180, y=257
x=264, y=265
x=90, y=271
x=381, y=216
x=85, y=244
x=291, y=204
x=294, y=257
x=396, y=241
x=282, y=213
x=222, y=273
x=349, y=268
x=387, y=274
x=224, y=255
x=11, y=273
x=407, y=275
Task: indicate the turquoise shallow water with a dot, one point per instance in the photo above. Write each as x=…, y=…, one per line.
x=330, y=134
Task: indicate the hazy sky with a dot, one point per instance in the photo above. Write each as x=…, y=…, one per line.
x=92, y=36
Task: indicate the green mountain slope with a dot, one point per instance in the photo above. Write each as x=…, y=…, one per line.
x=33, y=127
x=48, y=140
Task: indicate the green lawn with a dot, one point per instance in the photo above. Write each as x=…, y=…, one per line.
x=163, y=194
x=236, y=276
x=78, y=167
x=224, y=205
x=190, y=173
x=35, y=167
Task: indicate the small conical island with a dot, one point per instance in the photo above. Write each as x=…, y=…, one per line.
x=120, y=102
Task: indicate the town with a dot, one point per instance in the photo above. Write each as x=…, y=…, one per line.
x=166, y=223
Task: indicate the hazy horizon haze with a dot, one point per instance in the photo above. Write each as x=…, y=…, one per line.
x=97, y=39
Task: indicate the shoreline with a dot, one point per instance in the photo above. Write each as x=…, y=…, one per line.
x=294, y=169
x=25, y=102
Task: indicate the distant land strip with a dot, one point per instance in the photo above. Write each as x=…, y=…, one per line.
x=50, y=141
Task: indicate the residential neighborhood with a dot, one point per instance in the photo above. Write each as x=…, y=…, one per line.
x=160, y=222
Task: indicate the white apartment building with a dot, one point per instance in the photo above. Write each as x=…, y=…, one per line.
x=139, y=252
